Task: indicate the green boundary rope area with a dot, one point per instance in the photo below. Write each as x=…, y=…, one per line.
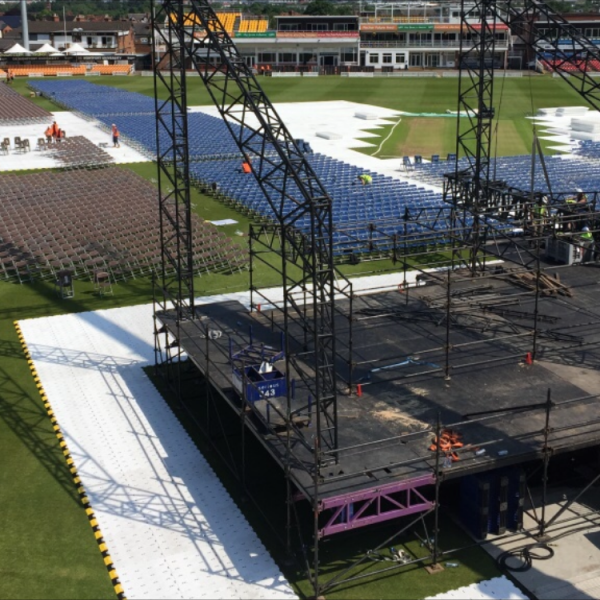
x=112, y=572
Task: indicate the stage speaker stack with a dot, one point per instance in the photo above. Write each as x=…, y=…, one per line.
x=475, y=505
x=492, y=502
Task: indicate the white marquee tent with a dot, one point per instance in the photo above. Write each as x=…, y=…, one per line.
x=47, y=49
x=76, y=50
x=17, y=49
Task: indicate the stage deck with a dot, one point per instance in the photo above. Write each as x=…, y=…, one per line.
x=385, y=433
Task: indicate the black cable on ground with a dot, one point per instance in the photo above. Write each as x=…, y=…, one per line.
x=525, y=555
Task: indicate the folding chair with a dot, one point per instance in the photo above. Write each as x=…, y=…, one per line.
x=102, y=283
x=64, y=283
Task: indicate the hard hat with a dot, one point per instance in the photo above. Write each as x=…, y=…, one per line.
x=585, y=228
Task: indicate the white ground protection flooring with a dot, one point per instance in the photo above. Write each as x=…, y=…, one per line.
x=306, y=119
x=73, y=125
x=498, y=588
x=171, y=528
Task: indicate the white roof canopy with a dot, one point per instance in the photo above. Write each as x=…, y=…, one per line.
x=76, y=49
x=17, y=49
x=46, y=49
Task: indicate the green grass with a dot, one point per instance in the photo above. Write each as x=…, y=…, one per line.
x=47, y=546
x=514, y=100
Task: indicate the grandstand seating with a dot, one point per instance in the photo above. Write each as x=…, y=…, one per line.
x=229, y=20
x=398, y=20
x=571, y=66
x=253, y=25
x=566, y=174
x=215, y=159
x=15, y=109
x=54, y=70
x=94, y=100
x=588, y=149
x=320, y=34
x=47, y=224
x=111, y=69
x=47, y=70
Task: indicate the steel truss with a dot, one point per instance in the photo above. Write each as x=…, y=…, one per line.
x=195, y=39
x=474, y=190
x=173, y=284
x=468, y=230
x=415, y=501
x=521, y=17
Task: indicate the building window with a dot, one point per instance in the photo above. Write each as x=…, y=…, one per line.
x=400, y=59
x=267, y=57
x=307, y=57
x=387, y=59
x=415, y=59
x=89, y=41
x=374, y=59
x=349, y=55
x=287, y=57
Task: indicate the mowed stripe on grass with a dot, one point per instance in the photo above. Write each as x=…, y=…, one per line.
x=424, y=136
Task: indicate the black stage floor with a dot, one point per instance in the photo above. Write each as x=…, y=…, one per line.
x=399, y=360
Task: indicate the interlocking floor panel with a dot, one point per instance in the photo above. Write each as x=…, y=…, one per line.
x=499, y=588
x=171, y=528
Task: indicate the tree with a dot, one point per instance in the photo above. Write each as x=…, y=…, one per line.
x=319, y=7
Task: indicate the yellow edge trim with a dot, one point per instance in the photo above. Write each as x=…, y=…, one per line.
x=112, y=573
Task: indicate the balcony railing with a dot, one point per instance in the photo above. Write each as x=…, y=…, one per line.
x=422, y=44
x=317, y=34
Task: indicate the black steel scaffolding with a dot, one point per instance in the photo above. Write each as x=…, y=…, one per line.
x=318, y=311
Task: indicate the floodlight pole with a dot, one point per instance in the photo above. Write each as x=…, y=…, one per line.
x=24, y=25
